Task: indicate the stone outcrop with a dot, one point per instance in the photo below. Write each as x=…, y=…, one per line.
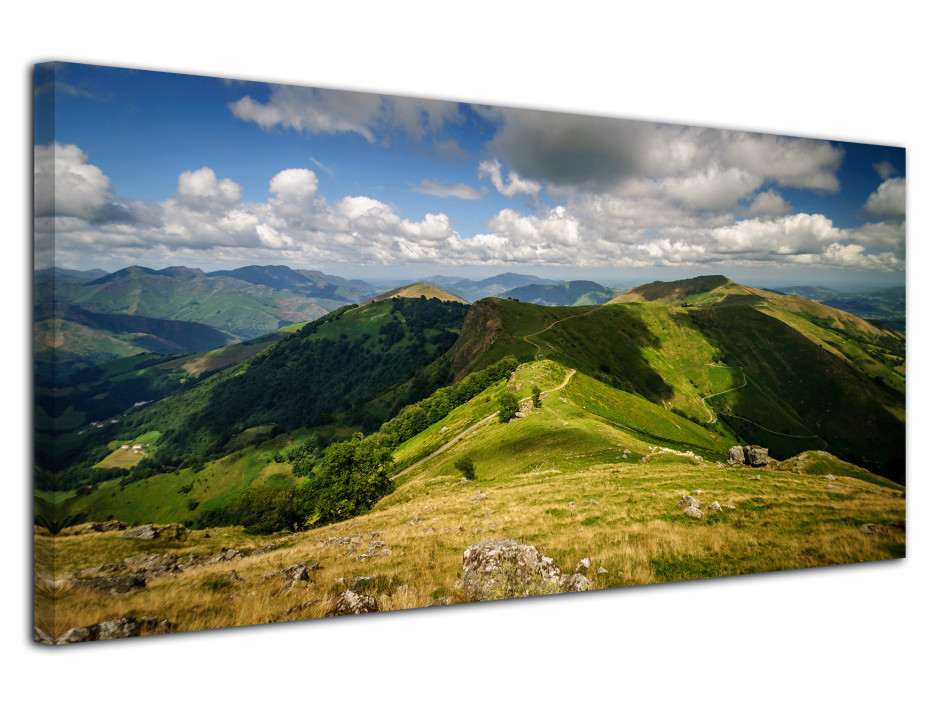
x=736, y=456
x=116, y=629
x=715, y=507
x=293, y=573
x=112, y=584
x=352, y=602
x=755, y=456
x=148, y=532
x=498, y=568
x=694, y=513
x=892, y=528
x=93, y=527
x=689, y=501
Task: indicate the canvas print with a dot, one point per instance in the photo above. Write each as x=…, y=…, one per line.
x=305, y=352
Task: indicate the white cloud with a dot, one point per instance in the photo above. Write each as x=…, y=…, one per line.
x=433, y=187
x=324, y=111
x=65, y=184
x=885, y=169
x=769, y=203
x=202, y=190
x=889, y=201
x=492, y=169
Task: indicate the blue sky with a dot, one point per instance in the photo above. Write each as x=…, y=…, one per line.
x=163, y=169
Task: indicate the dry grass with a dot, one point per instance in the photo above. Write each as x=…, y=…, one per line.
x=635, y=531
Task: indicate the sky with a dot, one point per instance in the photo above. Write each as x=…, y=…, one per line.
x=156, y=169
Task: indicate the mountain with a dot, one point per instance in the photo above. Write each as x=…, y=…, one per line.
x=356, y=365
x=805, y=376
x=309, y=282
x=62, y=274
x=471, y=290
x=573, y=293
x=886, y=305
x=416, y=291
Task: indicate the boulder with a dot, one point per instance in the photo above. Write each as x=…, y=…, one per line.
x=583, y=564
x=267, y=548
x=602, y=571
x=498, y=568
x=351, y=602
x=115, y=629
x=736, y=456
x=830, y=477
x=154, y=564
x=112, y=584
x=756, y=456
x=893, y=527
x=225, y=555
x=715, y=507
x=145, y=532
x=694, y=512
x=298, y=571
x=575, y=583
x=40, y=637
x=689, y=501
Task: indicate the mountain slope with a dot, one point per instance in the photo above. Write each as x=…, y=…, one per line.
x=416, y=291
x=767, y=368
x=573, y=293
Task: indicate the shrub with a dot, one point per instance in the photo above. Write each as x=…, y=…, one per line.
x=467, y=468
x=508, y=405
x=536, y=394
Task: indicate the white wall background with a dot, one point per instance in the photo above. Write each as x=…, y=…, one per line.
x=863, y=71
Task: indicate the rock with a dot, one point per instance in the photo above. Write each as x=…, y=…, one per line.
x=715, y=507
x=148, y=532
x=116, y=629
x=498, y=568
x=575, y=583
x=99, y=570
x=756, y=456
x=267, y=548
x=830, y=477
x=440, y=601
x=443, y=431
x=40, y=637
x=377, y=544
x=480, y=495
x=192, y=560
x=591, y=501
x=698, y=493
x=729, y=507
x=377, y=552
x=429, y=530
x=154, y=564
x=583, y=564
x=831, y=487
x=893, y=527
x=414, y=520
x=225, y=555
x=755, y=477
x=602, y=571
x=145, y=532
x=736, y=456
x=694, y=512
x=297, y=571
x=351, y=602
x=688, y=501
x=112, y=584
x=232, y=575
x=572, y=505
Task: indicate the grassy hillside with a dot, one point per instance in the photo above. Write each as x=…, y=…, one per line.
x=417, y=291
x=577, y=478
x=769, y=369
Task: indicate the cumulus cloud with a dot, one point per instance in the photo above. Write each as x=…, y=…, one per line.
x=889, y=201
x=683, y=219
x=492, y=169
x=885, y=169
x=65, y=184
x=769, y=203
x=433, y=187
x=324, y=111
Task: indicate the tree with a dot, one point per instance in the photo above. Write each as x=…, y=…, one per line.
x=508, y=405
x=536, y=394
x=466, y=467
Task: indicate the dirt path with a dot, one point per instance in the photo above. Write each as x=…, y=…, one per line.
x=538, y=348
x=478, y=423
x=714, y=418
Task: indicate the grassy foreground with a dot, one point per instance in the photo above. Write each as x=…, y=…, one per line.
x=580, y=477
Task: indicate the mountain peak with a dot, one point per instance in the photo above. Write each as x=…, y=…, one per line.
x=416, y=291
